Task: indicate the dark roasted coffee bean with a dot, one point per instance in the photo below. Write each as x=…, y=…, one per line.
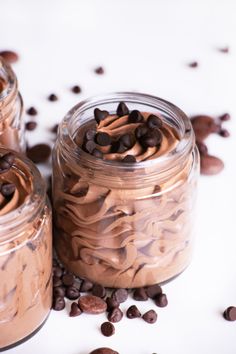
x=72, y=293
x=115, y=315
x=89, y=146
x=107, y=329
x=9, y=56
x=161, y=300
x=57, y=271
x=127, y=140
x=150, y=316
x=56, y=281
x=75, y=310
x=153, y=290
x=120, y=295
x=92, y=304
x=99, y=70
x=32, y=111
x=58, y=303
x=58, y=291
x=90, y=134
x=76, y=89
x=140, y=131
x=154, y=122
x=111, y=304
x=103, y=350
x=122, y=109
x=30, y=126
x=193, y=64
x=230, y=313
x=52, y=97
x=140, y=294
x=203, y=150
x=129, y=159
x=203, y=126
x=99, y=290
x=7, y=189
x=210, y=165
x=135, y=116
x=224, y=133
x=225, y=117
x=97, y=153
x=68, y=279
x=39, y=153
x=103, y=139
x=85, y=286
x=100, y=115
x=133, y=312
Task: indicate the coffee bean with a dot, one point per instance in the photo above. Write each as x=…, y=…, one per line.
x=9, y=56
x=30, y=126
x=72, y=293
x=161, y=300
x=99, y=290
x=203, y=150
x=115, y=315
x=127, y=140
x=225, y=117
x=153, y=290
x=92, y=304
x=39, y=153
x=99, y=70
x=122, y=109
x=129, y=159
x=57, y=271
x=56, y=281
x=52, y=97
x=107, y=329
x=58, y=291
x=6, y=162
x=89, y=146
x=75, y=310
x=140, y=131
x=133, y=312
x=224, y=133
x=68, y=279
x=135, y=116
x=230, y=313
x=32, y=111
x=150, y=316
x=140, y=294
x=76, y=89
x=8, y=189
x=103, y=139
x=210, y=165
x=97, y=153
x=120, y=295
x=154, y=122
x=103, y=351
x=203, y=126
x=90, y=134
x=58, y=303
x=100, y=115
x=111, y=303
x=193, y=64
x=85, y=286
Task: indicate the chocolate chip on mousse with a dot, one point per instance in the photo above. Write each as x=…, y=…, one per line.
x=129, y=159
x=89, y=146
x=7, y=189
x=103, y=139
x=154, y=122
x=122, y=109
x=100, y=115
x=97, y=153
x=90, y=134
x=151, y=138
x=107, y=329
x=127, y=140
x=140, y=131
x=135, y=117
x=6, y=162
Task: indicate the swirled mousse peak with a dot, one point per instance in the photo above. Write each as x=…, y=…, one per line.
x=14, y=186
x=127, y=136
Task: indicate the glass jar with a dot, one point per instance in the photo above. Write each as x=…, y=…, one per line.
x=11, y=107
x=25, y=253
x=124, y=225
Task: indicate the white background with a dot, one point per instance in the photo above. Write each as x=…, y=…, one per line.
x=144, y=45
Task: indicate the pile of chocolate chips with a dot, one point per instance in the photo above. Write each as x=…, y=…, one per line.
x=6, y=162
x=148, y=134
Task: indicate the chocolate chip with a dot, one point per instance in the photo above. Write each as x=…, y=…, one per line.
x=151, y=138
x=111, y=304
x=57, y=271
x=103, y=139
x=203, y=150
x=103, y=350
x=150, y=316
x=86, y=285
x=122, y=109
x=224, y=50
x=56, y=281
x=68, y=279
x=75, y=310
x=193, y=64
x=99, y=70
x=92, y=304
x=210, y=165
x=58, y=291
x=7, y=189
x=97, y=153
x=154, y=122
x=115, y=315
x=161, y=300
x=6, y=162
x=9, y=56
x=140, y=294
x=129, y=159
x=39, y=153
x=118, y=147
x=203, y=126
x=58, y=303
x=224, y=133
x=99, y=290
x=140, y=131
x=100, y=115
x=225, y=117
x=153, y=290
x=55, y=262
x=230, y=313
x=89, y=146
x=127, y=140
x=32, y=111
x=72, y=293
x=120, y=295
x=76, y=89
x=90, y=134
x=107, y=329
x=54, y=129
x=30, y=126
x=52, y=97
x=135, y=116
x=133, y=312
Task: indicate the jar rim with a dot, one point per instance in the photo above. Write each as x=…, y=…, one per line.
x=10, y=79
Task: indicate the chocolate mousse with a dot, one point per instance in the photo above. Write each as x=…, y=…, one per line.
x=115, y=232
x=25, y=252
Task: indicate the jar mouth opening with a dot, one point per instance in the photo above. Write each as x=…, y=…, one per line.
x=168, y=109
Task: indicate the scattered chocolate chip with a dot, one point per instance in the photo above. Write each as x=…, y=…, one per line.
x=224, y=133
x=140, y=131
x=6, y=162
x=55, y=262
x=75, y=310
x=72, y=293
x=133, y=312
x=90, y=134
x=54, y=129
x=115, y=315
x=57, y=271
x=203, y=126
x=99, y=290
x=154, y=122
x=52, y=97
x=122, y=109
x=210, y=165
x=32, y=111
x=30, y=126
x=129, y=159
x=153, y=290
x=92, y=304
x=120, y=295
x=89, y=146
x=56, y=281
x=58, y=291
x=111, y=304
x=103, y=350
x=135, y=116
x=150, y=316
x=225, y=117
x=100, y=115
x=224, y=50
x=151, y=138
x=127, y=140
x=68, y=279
x=99, y=70
x=76, y=89
x=86, y=285
x=9, y=56
x=103, y=139
x=58, y=303
x=107, y=329
x=161, y=300
x=39, y=153
x=7, y=189
x=203, y=150
x=230, y=313
x=97, y=153
x=193, y=64
x=140, y=294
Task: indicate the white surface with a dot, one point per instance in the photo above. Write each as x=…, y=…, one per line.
x=143, y=46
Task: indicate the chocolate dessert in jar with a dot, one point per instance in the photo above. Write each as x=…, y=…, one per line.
x=25, y=249
x=125, y=170
x=11, y=107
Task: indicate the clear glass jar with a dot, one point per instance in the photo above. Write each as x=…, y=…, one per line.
x=124, y=225
x=11, y=107
x=25, y=253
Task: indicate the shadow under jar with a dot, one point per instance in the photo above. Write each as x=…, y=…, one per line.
x=125, y=224
x=25, y=250
x=11, y=107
